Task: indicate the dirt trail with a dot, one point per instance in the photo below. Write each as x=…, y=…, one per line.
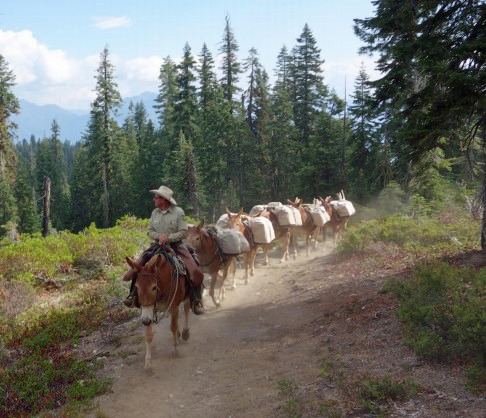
x=280, y=327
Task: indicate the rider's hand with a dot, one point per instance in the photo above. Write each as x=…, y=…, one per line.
x=163, y=239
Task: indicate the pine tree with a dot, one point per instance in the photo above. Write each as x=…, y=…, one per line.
x=309, y=90
x=254, y=152
x=230, y=66
x=58, y=176
x=146, y=168
x=185, y=123
x=432, y=58
x=281, y=164
x=364, y=144
x=211, y=150
x=102, y=132
x=9, y=105
x=165, y=100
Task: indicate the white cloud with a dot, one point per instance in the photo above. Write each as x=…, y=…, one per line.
x=139, y=75
x=45, y=76
x=339, y=73
x=51, y=76
x=111, y=22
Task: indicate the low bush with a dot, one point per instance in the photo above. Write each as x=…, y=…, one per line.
x=443, y=313
x=420, y=237
x=376, y=394
x=41, y=326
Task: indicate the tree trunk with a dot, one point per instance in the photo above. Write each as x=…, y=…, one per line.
x=483, y=201
x=46, y=207
x=105, y=198
x=192, y=186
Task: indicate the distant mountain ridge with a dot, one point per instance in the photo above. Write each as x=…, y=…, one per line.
x=37, y=120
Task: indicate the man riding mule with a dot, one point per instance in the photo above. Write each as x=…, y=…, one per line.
x=168, y=228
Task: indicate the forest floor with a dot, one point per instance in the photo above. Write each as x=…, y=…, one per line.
x=298, y=341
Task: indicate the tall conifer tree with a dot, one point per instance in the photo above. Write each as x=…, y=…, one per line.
x=102, y=132
x=9, y=105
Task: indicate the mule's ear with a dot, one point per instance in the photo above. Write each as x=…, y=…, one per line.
x=290, y=202
x=154, y=262
x=228, y=211
x=201, y=224
x=240, y=212
x=133, y=264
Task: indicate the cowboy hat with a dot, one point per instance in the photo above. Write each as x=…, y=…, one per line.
x=166, y=193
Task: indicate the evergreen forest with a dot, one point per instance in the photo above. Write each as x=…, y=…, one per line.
x=226, y=137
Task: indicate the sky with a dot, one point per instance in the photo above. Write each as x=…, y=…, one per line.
x=53, y=47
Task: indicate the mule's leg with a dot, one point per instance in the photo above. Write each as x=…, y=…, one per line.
x=251, y=261
x=317, y=232
x=185, y=330
x=293, y=245
x=222, y=288
x=232, y=271
x=149, y=336
x=246, y=263
x=214, y=279
x=174, y=328
x=285, y=255
x=266, y=249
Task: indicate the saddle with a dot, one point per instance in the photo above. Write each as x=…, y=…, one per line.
x=193, y=272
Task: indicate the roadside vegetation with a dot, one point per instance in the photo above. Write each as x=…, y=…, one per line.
x=440, y=297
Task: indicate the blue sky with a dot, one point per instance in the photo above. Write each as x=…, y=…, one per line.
x=53, y=47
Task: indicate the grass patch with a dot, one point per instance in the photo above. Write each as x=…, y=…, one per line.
x=442, y=310
x=288, y=389
x=375, y=394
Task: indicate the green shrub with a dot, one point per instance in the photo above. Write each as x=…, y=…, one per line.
x=37, y=383
x=375, y=394
x=420, y=236
x=443, y=313
x=34, y=257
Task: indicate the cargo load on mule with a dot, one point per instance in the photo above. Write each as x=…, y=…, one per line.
x=318, y=213
x=230, y=241
x=286, y=215
x=342, y=206
x=262, y=230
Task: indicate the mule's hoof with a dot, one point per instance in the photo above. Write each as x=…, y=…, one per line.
x=233, y=287
x=175, y=353
x=186, y=334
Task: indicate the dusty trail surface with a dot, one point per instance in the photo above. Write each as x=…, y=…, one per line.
x=319, y=322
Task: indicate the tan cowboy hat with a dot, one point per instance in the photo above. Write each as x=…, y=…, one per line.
x=166, y=193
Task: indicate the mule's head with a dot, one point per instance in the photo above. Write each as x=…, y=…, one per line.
x=235, y=219
x=327, y=205
x=148, y=285
x=194, y=236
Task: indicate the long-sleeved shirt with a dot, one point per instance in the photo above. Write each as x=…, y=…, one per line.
x=170, y=222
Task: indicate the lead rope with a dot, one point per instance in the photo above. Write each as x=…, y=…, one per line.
x=178, y=267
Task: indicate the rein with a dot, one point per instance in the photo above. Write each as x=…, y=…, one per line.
x=178, y=268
